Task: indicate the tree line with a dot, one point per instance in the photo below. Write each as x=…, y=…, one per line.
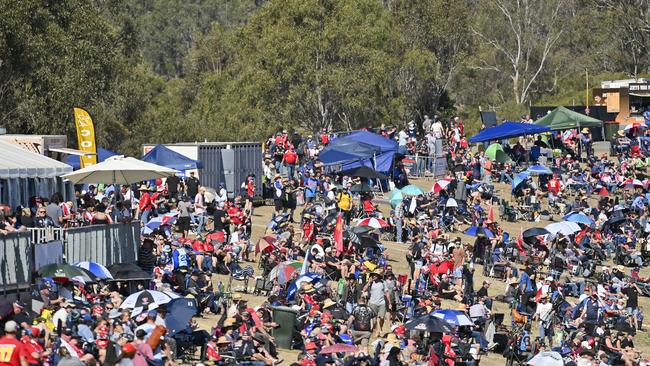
x=161, y=71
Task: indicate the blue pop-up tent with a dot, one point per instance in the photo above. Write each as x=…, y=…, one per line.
x=164, y=156
x=360, y=148
x=507, y=130
x=102, y=154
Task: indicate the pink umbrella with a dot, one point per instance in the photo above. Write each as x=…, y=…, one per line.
x=441, y=185
x=340, y=348
x=373, y=222
x=632, y=182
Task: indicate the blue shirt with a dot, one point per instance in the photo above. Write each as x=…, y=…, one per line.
x=180, y=258
x=311, y=185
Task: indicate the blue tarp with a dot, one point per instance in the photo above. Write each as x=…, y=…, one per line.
x=102, y=154
x=507, y=130
x=164, y=156
x=360, y=148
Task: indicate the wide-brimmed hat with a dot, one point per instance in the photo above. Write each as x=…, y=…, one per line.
x=328, y=302
x=308, y=288
x=223, y=340
x=620, y=132
x=585, y=130
x=143, y=188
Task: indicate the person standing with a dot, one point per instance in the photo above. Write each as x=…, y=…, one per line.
x=184, y=208
x=172, y=184
x=250, y=194
x=11, y=349
x=378, y=300
x=278, y=195
x=344, y=202
x=192, y=184
x=290, y=159
x=144, y=206
x=199, y=210
x=311, y=187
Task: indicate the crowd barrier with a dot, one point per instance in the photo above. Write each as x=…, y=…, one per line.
x=16, y=261
x=22, y=253
x=425, y=166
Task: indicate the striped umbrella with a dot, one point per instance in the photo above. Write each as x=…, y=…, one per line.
x=95, y=268
x=284, y=271
x=441, y=185
x=453, y=317
x=373, y=222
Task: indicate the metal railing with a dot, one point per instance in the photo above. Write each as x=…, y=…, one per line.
x=16, y=261
x=425, y=166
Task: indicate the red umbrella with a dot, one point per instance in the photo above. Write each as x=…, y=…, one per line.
x=340, y=348
x=442, y=267
x=265, y=244
x=440, y=185
x=373, y=222
x=603, y=192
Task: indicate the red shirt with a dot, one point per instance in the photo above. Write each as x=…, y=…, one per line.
x=145, y=202
x=290, y=157
x=10, y=351
x=30, y=347
x=554, y=186
x=250, y=188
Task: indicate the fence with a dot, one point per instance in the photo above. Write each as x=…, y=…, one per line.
x=16, y=262
x=424, y=166
x=22, y=253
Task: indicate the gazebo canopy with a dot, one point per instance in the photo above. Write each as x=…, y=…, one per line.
x=562, y=118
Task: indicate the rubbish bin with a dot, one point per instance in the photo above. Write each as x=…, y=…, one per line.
x=285, y=317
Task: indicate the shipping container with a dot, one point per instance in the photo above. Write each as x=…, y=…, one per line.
x=227, y=162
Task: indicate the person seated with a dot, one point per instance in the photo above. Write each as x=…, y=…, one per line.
x=501, y=265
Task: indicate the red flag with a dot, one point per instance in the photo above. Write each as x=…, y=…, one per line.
x=491, y=213
x=338, y=233
x=520, y=240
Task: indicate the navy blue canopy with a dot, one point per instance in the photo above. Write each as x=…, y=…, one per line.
x=507, y=130
x=102, y=154
x=360, y=148
x=164, y=156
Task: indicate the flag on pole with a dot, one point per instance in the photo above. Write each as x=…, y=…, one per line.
x=520, y=240
x=338, y=234
x=490, y=215
x=85, y=137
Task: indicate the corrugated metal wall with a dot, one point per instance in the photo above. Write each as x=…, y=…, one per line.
x=231, y=163
x=110, y=244
x=15, y=260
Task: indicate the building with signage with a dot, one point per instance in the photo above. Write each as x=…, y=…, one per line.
x=627, y=99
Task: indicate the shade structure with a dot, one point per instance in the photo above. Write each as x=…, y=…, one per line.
x=17, y=162
x=95, y=268
x=538, y=170
x=495, y=152
x=441, y=185
x=148, y=298
x=65, y=272
x=164, y=156
x=373, y=222
x=453, y=317
x=479, y=231
x=547, y=359
x=429, y=323
x=284, y=271
x=102, y=154
x=395, y=199
x=535, y=231
x=518, y=179
x=562, y=118
x=119, y=170
x=507, y=130
x=412, y=190
x=361, y=188
x=339, y=348
x=179, y=313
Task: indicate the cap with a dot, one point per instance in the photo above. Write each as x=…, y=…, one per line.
x=128, y=348
x=11, y=327
x=310, y=346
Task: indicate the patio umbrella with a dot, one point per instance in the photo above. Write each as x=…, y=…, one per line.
x=368, y=242
x=373, y=222
x=361, y=188
x=519, y=178
x=412, y=190
x=284, y=271
x=547, y=359
x=394, y=192
x=167, y=219
x=395, y=199
x=453, y=317
x=308, y=277
x=538, y=170
x=535, y=231
x=479, y=231
x=179, y=313
x=429, y=323
x=265, y=242
x=579, y=218
x=339, y=348
x=95, y=268
x=64, y=272
x=495, y=152
x=148, y=298
x=119, y=170
x=361, y=229
x=441, y=185
x=631, y=183
x=128, y=271
x=564, y=228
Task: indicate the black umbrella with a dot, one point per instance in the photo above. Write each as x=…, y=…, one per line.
x=179, y=313
x=362, y=229
x=364, y=172
x=361, y=188
x=429, y=323
x=368, y=242
x=535, y=231
x=616, y=219
x=127, y=271
x=351, y=236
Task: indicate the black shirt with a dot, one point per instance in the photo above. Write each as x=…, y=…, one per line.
x=172, y=184
x=482, y=292
x=632, y=297
x=218, y=224
x=363, y=318
x=192, y=186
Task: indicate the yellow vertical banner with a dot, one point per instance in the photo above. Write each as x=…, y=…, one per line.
x=86, y=137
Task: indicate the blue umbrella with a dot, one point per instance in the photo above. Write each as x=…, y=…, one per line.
x=309, y=278
x=476, y=231
x=453, y=317
x=412, y=190
x=95, y=268
x=179, y=313
x=519, y=178
x=579, y=218
x=395, y=199
x=538, y=170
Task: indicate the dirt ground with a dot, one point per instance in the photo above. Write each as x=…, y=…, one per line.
x=397, y=254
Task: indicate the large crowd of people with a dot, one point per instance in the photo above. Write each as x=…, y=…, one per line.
x=572, y=287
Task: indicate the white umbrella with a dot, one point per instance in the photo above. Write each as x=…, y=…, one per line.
x=119, y=170
x=147, y=298
x=451, y=203
x=564, y=228
x=547, y=359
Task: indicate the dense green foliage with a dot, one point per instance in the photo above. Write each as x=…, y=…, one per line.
x=172, y=70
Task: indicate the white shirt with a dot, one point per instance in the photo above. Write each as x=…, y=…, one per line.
x=543, y=311
x=403, y=138
x=437, y=129
x=60, y=314
x=222, y=196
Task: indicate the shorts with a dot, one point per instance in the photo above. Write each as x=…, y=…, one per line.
x=278, y=205
x=183, y=223
x=418, y=264
x=380, y=310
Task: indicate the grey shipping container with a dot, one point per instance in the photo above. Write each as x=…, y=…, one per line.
x=231, y=163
